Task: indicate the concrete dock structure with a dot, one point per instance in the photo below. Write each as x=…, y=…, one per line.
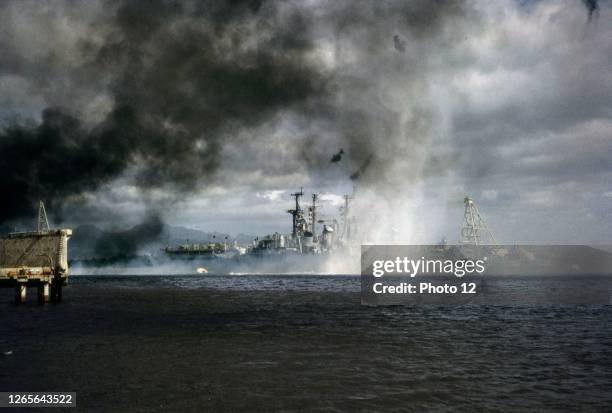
x=35, y=259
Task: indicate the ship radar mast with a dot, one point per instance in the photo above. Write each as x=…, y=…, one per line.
x=313, y=213
x=296, y=214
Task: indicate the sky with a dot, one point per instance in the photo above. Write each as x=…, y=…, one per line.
x=210, y=114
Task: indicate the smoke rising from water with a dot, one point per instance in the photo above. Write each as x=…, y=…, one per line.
x=128, y=243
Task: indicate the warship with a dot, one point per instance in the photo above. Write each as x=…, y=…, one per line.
x=301, y=250
x=35, y=259
x=332, y=245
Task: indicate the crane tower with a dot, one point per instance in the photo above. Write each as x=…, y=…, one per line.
x=474, y=230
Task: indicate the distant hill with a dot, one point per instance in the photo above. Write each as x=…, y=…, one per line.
x=172, y=235
x=89, y=241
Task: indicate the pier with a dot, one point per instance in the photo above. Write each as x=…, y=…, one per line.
x=37, y=260
x=48, y=287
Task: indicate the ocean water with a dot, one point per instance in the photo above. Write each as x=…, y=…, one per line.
x=237, y=282
x=300, y=343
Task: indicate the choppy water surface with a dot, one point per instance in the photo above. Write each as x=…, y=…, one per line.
x=246, y=282
x=300, y=343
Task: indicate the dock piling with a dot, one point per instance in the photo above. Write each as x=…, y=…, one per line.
x=20, y=293
x=43, y=292
x=56, y=291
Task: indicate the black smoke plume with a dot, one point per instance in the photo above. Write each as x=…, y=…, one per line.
x=399, y=44
x=362, y=168
x=126, y=244
x=60, y=158
x=179, y=81
x=182, y=77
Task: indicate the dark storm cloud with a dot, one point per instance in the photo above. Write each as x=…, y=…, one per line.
x=181, y=77
x=61, y=159
x=177, y=81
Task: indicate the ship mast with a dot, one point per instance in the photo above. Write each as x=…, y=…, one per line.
x=313, y=214
x=296, y=212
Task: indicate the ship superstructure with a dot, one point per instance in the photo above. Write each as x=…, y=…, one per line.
x=303, y=238
x=301, y=241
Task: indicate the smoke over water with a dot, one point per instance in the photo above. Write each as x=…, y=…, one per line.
x=127, y=244
x=167, y=100
x=175, y=80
